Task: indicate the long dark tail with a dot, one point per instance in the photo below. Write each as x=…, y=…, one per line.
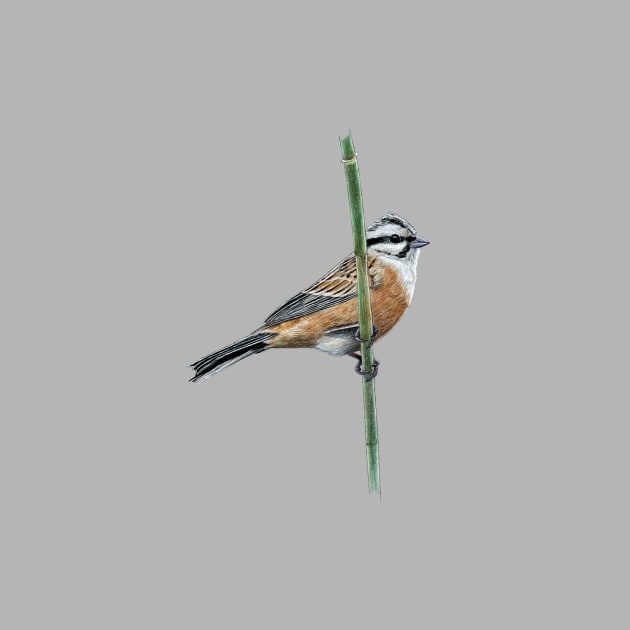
x=217, y=361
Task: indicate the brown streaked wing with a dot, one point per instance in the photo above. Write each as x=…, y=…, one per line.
x=337, y=286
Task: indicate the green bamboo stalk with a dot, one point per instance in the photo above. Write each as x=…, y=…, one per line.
x=355, y=198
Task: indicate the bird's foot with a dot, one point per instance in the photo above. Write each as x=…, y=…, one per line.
x=358, y=368
x=370, y=341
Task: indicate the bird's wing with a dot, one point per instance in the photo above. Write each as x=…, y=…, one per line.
x=337, y=286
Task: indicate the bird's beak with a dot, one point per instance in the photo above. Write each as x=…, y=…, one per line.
x=418, y=243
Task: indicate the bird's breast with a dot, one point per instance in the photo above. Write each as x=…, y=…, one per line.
x=389, y=302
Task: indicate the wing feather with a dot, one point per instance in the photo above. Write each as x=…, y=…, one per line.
x=335, y=287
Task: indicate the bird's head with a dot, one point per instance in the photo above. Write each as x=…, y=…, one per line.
x=393, y=236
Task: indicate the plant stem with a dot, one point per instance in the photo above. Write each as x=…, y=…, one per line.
x=355, y=199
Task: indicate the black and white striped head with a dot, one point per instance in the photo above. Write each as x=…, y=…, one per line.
x=392, y=236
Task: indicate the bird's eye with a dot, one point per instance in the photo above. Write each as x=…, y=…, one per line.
x=394, y=238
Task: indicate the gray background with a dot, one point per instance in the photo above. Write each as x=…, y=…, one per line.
x=171, y=174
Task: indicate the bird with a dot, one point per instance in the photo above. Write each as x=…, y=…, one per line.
x=324, y=316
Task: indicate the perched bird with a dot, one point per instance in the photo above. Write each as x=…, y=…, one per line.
x=325, y=314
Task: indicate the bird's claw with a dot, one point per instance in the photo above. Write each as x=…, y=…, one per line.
x=370, y=341
x=372, y=373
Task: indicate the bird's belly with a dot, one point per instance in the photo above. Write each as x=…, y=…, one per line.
x=339, y=341
x=324, y=330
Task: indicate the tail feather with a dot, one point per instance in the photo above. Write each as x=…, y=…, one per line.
x=229, y=355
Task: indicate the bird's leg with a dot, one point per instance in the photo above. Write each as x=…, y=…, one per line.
x=357, y=355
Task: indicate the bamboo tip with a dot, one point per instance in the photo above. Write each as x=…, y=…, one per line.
x=347, y=147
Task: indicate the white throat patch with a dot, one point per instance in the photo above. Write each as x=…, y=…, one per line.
x=406, y=267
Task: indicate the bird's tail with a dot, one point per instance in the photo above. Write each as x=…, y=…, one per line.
x=217, y=361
